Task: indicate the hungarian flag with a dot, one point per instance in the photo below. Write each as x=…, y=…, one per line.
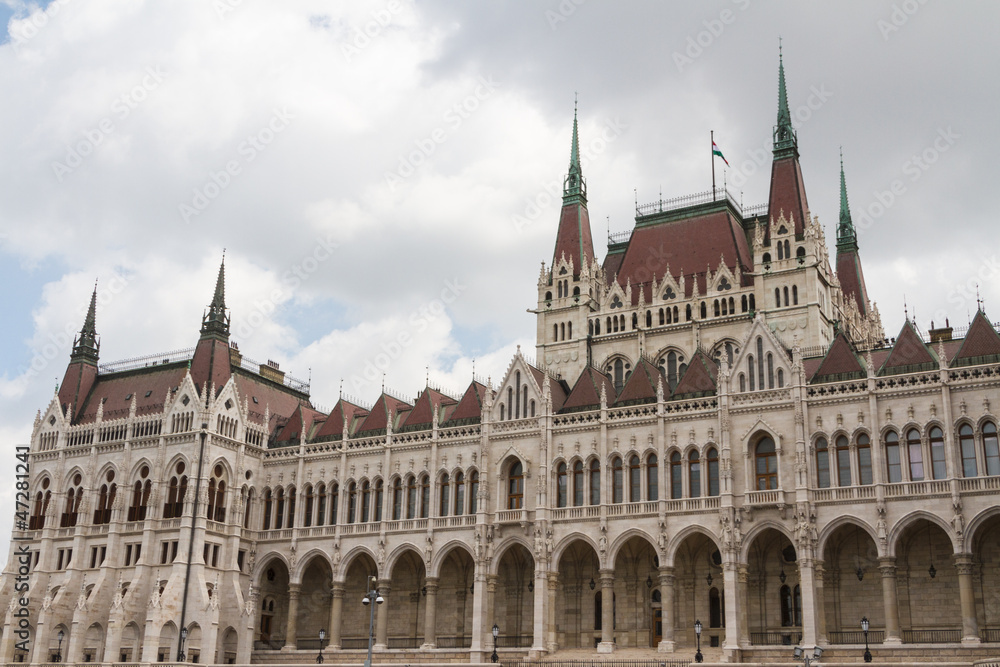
x=716, y=151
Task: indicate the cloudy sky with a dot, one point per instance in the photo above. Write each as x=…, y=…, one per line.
x=385, y=171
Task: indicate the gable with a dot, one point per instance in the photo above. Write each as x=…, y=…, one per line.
x=981, y=344
x=763, y=363
x=840, y=363
x=909, y=354
x=699, y=379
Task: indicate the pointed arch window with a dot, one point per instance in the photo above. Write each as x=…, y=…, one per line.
x=634, y=479
x=379, y=499
x=967, y=444
x=268, y=507
x=561, y=485
x=308, y=509
x=785, y=290
x=474, y=492
x=937, y=453
x=770, y=371
x=864, y=460
x=279, y=509
x=712, y=460
x=248, y=507
x=291, y=507
x=694, y=474
x=991, y=450
x=578, y=484
x=893, y=461
x=425, y=496
x=443, y=504
x=704, y=311
x=652, y=478
x=515, y=487
x=843, y=462
x=595, y=482
x=366, y=500
x=616, y=480
x=822, y=464
x=795, y=295
x=766, y=465
x=321, y=504
x=915, y=455
x=459, y=493
x=334, y=504
x=676, y=476
x=352, y=502
x=411, y=497
x=397, y=499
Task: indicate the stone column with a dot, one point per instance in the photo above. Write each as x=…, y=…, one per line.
x=479, y=611
x=667, y=644
x=551, y=638
x=809, y=609
x=489, y=612
x=540, y=604
x=336, y=611
x=887, y=568
x=743, y=599
x=970, y=624
x=430, y=613
x=607, y=644
x=293, y=613
x=382, y=617
x=820, y=603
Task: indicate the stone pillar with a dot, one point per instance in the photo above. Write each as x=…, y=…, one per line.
x=382, y=617
x=820, y=603
x=887, y=568
x=743, y=600
x=807, y=585
x=430, y=613
x=293, y=613
x=479, y=610
x=551, y=638
x=540, y=603
x=970, y=624
x=336, y=611
x=667, y=644
x=607, y=644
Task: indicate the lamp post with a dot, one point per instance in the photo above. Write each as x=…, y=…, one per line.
x=800, y=654
x=180, y=649
x=60, y=637
x=371, y=596
x=697, y=633
x=319, y=656
x=496, y=632
x=864, y=628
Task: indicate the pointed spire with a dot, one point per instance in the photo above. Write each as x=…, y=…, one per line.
x=785, y=142
x=574, y=186
x=86, y=346
x=847, y=238
x=216, y=321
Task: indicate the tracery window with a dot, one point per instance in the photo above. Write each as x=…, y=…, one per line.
x=767, y=465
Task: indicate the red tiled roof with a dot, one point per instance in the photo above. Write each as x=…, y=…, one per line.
x=113, y=389
x=641, y=384
x=840, y=358
x=852, y=280
x=691, y=245
x=613, y=264
x=981, y=340
x=210, y=364
x=908, y=350
x=281, y=402
x=423, y=410
x=471, y=405
x=379, y=416
x=334, y=424
x=811, y=365
x=700, y=376
x=76, y=385
x=573, y=238
x=788, y=194
x=586, y=392
x=556, y=387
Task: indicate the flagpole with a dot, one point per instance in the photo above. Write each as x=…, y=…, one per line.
x=712, y=153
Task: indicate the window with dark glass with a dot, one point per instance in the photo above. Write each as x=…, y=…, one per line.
x=967, y=444
x=652, y=481
x=616, y=480
x=892, y=458
x=634, y=479
x=676, y=476
x=561, y=485
x=767, y=465
x=379, y=498
x=991, y=451
x=366, y=501
x=937, y=453
x=712, y=459
x=397, y=499
x=822, y=464
x=515, y=487
x=595, y=482
x=843, y=461
x=474, y=492
x=915, y=454
x=411, y=497
x=425, y=496
x=459, y=493
x=865, y=460
x=578, y=484
x=443, y=504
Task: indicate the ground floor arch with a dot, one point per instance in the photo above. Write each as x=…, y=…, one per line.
x=272, y=605
x=93, y=643
x=227, y=647
x=696, y=592
x=850, y=586
x=578, y=611
x=513, y=599
x=774, y=595
x=315, y=597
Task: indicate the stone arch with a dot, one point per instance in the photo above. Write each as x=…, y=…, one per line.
x=228, y=474
x=131, y=644
x=565, y=542
x=622, y=539
x=93, y=643
x=167, y=641
x=306, y=560
x=674, y=544
x=397, y=553
x=170, y=468
x=845, y=519
x=354, y=554
x=315, y=595
x=976, y=524
x=755, y=532
x=227, y=646
x=899, y=529
x=513, y=600
x=133, y=474
x=442, y=553
x=502, y=549
x=267, y=560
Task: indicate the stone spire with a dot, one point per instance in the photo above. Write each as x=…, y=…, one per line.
x=86, y=346
x=785, y=140
x=574, y=187
x=216, y=321
x=573, y=239
x=788, y=192
x=847, y=237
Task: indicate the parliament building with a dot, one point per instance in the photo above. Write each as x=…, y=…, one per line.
x=714, y=427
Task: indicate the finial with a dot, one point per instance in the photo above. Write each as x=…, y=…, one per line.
x=906, y=314
x=383, y=383
x=473, y=369
x=979, y=302
x=341, y=395
x=427, y=376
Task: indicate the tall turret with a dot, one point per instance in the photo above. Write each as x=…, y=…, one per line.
x=81, y=373
x=852, y=280
x=573, y=240
x=788, y=192
x=210, y=364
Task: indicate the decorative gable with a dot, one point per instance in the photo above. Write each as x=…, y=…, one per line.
x=763, y=362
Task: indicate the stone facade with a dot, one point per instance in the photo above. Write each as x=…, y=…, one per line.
x=691, y=444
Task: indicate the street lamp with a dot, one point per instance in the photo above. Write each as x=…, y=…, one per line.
x=800, y=654
x=697, y=634
x=180, y=649
x=496, y=632
x=371, y=596
x=60, y=637
x=319, y=656
x=864, y=628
